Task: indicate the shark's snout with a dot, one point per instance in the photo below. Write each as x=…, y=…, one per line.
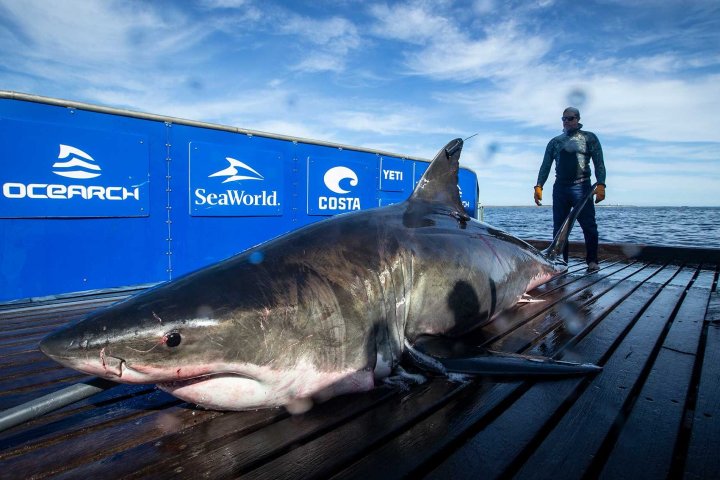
x=66, y=348
x=56, y=345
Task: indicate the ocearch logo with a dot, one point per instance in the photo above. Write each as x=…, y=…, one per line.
x=77, y=166
x=332, y=179
x=237, y=171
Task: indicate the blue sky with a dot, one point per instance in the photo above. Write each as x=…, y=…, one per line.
x=406, y=77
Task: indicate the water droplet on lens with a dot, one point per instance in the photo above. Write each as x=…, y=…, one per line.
x=577, y=97
x=256, y=257
x=298, y=406
x=204, y=311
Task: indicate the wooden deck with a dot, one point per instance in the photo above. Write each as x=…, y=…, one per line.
x=653, y=412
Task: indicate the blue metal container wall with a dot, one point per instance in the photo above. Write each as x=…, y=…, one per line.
x=205, y=231
x=116, y=246
x=98, y=200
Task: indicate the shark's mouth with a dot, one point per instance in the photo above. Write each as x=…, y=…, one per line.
x=194, y=381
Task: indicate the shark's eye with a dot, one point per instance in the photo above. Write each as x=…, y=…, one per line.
x=173, y=339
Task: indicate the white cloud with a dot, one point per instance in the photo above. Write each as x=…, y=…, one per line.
x=337, y=33
x=320, y=62
x=408, y=22
x=224, y=3
x=448, y=51
x=78, y=32
x=323, y=43
x=659, y=110
x=382, y=122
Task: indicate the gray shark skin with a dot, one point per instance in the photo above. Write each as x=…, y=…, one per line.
x=324, y=310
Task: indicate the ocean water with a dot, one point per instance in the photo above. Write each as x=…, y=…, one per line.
x=670, y=226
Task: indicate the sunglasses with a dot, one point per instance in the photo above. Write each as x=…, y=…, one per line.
x=568, y=119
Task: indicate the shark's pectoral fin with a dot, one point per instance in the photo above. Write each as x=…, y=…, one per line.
x=449, y=356
x=508, y=364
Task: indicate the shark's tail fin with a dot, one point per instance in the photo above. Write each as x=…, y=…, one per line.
x=554, y=251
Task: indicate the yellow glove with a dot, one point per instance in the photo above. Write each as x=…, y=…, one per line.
x=538, y=195
x=600, y=193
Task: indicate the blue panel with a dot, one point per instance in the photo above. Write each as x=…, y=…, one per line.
x=236, y=178
x=467, y=182
x=395, y=175
x=200, y=235
x=55, y=170
x=339, y=181
x=44, y=256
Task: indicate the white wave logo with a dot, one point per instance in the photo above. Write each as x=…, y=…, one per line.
x=233, y=174
x=335, y=175
x=76, y=166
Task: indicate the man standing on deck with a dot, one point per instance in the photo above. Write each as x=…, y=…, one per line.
x=571, y=151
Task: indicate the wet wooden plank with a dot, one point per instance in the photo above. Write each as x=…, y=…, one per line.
x=528, y=420
x=648, y=438
x=703, y=460
x=589, y=420
x=234, y=456
x=578, y=304
x=713, y=313
x=228, y=442
x=520, y=321
x=491, y=450
x=412, y=452
x=143, y=419
x=74, y=298
x=75, y=419
x=325, y=455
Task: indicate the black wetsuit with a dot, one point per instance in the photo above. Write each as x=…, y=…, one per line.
x=572, y=152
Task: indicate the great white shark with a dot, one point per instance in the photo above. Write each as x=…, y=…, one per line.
x=328, y=309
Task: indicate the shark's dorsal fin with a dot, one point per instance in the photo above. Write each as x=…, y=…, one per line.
x=439, y=184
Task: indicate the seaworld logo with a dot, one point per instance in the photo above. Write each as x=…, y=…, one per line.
x=232, y=173
x=333, y=179
x=235, y=172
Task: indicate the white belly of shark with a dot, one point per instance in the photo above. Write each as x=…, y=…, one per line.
x=259, y=387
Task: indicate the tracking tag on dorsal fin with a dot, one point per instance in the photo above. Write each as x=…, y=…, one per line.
x=439, y=184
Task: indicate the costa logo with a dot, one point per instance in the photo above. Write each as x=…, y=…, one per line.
x=335, y=179
x=335, y=175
